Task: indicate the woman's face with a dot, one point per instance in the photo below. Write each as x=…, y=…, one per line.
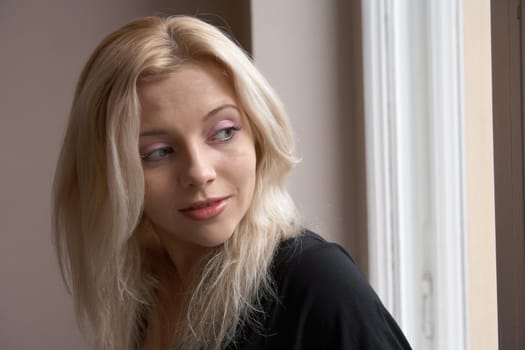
x=198, y=156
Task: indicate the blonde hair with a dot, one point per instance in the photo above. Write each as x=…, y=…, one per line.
x=104, y=243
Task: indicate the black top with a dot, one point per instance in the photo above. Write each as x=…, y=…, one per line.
x=324, y=303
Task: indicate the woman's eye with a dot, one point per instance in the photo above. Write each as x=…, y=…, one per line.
x=157, y=154
x=225, y=134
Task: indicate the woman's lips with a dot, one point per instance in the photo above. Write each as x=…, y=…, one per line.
x=204, y=210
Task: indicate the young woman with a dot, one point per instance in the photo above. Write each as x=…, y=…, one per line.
x=173, y=226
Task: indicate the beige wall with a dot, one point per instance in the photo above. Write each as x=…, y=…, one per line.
x=481, y=251
x=44, y=45
x=306, y=53
x=298, y=58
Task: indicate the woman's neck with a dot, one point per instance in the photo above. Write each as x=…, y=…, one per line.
x=166, y=319
x=186, y=257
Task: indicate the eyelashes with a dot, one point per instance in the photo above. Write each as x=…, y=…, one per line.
x=225, y=134
x=157, y=154
x=222, y=136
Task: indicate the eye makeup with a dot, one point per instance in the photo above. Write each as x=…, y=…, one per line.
x=156, y=151
x=221, y=125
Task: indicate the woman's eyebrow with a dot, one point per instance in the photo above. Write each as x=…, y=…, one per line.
x=154, y=132
x=214, y=111
x=210, y=114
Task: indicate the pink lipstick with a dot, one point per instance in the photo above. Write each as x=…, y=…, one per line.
x=207, y=209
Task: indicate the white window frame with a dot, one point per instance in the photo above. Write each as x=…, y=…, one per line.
x=415, y=177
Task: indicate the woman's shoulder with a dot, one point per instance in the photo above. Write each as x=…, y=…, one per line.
x=326, y=301
x=307, y=243
x=310, y=264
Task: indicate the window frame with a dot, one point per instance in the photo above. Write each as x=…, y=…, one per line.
x=414, y=122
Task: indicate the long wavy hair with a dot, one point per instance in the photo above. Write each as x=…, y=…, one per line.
x=108, y=254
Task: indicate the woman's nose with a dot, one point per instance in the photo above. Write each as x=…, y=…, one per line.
x=198, y=169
